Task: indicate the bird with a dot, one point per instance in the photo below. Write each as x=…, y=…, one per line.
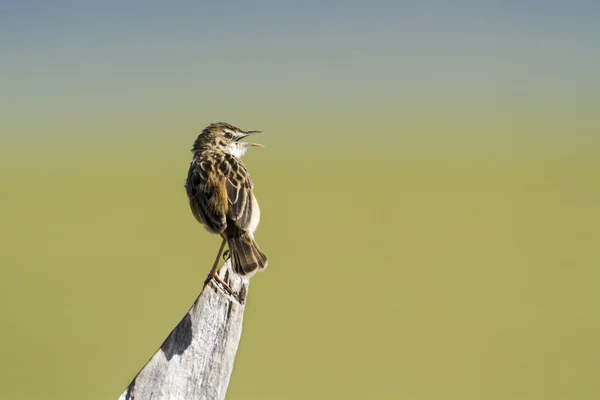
x=220, y=193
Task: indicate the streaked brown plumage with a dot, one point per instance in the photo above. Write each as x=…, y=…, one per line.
x=219, y=190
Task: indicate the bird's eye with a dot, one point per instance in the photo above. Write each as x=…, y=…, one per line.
x=229, y=135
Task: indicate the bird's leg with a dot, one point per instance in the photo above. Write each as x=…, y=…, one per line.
x=213, y=272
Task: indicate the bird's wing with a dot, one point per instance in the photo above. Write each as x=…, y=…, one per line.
x=205, y=195
x=239, y=191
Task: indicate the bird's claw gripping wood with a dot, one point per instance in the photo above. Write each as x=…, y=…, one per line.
x=213, y=272
x=214, y=275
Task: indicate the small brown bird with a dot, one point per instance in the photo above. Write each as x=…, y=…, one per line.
x=219, y=189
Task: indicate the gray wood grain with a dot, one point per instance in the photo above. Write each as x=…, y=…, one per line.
x=196, y=360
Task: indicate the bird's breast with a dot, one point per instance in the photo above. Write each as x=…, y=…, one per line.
x=255, y=219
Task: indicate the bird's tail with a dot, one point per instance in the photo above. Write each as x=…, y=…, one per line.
x=246, y=256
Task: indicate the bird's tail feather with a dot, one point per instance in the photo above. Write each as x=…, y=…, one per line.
x=246, y=256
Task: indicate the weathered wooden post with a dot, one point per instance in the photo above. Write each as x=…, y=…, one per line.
x=196, y=360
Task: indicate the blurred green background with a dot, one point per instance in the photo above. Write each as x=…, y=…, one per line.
x=429, y=192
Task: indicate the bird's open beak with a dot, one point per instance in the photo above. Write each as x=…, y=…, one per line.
x=249, y=133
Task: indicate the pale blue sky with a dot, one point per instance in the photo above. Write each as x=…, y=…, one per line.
x=95, y=57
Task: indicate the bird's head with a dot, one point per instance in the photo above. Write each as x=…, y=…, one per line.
x=224, y=137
